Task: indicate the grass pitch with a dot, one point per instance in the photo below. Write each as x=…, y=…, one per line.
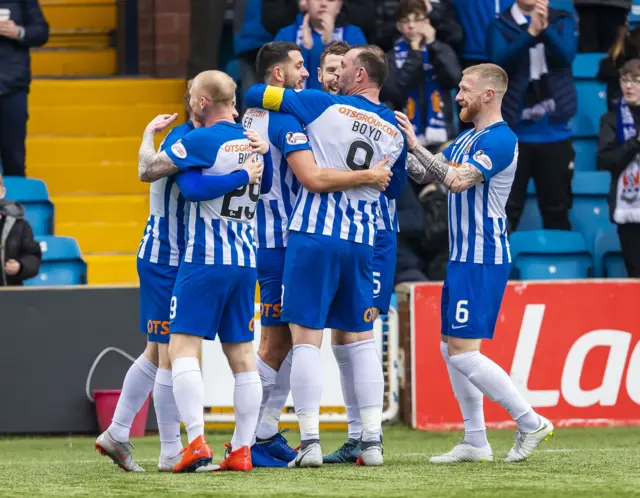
x=575, y=462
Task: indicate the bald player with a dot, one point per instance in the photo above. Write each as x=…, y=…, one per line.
x=478, y=169
x=216, y=282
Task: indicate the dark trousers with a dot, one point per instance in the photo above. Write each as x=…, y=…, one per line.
x=207, y=19
x=629, y=234
x=13, y=132
x=549, y=165
x=598, y=26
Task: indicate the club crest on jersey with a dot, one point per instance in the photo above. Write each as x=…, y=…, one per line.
x=296, y=138
x=483, y=159
x=179, y=150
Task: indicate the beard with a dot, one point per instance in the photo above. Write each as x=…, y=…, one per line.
x=468, y=113
x=291, y=81
x=344, y=84
x=330, y=88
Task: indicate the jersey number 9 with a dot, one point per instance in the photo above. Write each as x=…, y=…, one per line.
x=359, y=155
x=248, y=206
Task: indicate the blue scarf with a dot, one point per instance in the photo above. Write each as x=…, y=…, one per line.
x=430, y=129
x=627, y=208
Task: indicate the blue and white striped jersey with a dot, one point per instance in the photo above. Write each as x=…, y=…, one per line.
x=477, y=218
x=388, y=217
x=219, y=231
x=285, y=134
x=347, y=133
x=163, y=241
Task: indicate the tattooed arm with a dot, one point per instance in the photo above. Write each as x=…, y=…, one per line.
x=417, y=172
x=455, y=179
x=154, y=165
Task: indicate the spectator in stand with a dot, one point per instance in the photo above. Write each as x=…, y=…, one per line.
x=536, y=45
x=619, y=153
x=20, y=255
x=249, y=35
x=442, y=17
x=475, y=16
x=315, y=30
x=22, y=27
x=600, y=22
x=625, y=48
x=422, y=70
x=277, y=14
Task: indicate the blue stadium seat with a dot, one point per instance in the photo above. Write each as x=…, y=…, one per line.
x=592, y=103
x=590, y=211
x=586, y=154
x=62, y=263
x=585, y=66
x=608, y=255
x=33, y=195
x=549, y=255
x=531, y=218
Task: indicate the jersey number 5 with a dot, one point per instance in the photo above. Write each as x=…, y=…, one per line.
x=359, y=155
x=247, y=209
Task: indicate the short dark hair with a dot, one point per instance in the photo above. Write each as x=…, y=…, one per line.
x=374, y=60
x=334, y=48
x=408, y=7
x=272, y=54
x=631, y=67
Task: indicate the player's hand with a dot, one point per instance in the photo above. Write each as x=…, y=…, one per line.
x=307, y=35
x=254, y=166
x=381, y=174
x=9, y=29
x=161, y=122
x=12, y=267
x=258, y=145
x=407, y=128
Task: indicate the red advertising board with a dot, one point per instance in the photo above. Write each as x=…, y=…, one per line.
x=572, y=348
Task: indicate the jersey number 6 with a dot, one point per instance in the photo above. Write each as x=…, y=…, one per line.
x=366, y=149
x=248, y=208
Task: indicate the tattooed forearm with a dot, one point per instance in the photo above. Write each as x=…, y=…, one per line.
x=151, y=165
x=466, y=177
x=417, y=172
x=437, y=165
x=455, y=179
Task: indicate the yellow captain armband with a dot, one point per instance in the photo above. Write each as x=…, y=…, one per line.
x=272, y=98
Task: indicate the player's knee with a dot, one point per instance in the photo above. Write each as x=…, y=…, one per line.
x=183, y=345
x=151, y=352
x=163, y=357
x=240, y=356
x=458, y=345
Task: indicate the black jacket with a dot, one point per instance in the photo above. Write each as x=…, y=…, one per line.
x=446, y=68
x=17, y=242
x=612, y=156
x=277, y=14
x=623, y=4
x=443, y=17
x=15, y=61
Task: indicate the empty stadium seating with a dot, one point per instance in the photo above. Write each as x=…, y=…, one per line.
x=34, y=196
x=590, y=211
x=549, y=255
x=608, y=255
x=62, y=263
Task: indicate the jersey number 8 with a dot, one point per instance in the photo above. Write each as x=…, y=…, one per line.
x=364, y=156
x=248, y=209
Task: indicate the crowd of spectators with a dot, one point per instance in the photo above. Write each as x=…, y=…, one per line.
x=428, y=44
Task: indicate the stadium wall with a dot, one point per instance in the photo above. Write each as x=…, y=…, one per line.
x=572, y=348
x=50, y=338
